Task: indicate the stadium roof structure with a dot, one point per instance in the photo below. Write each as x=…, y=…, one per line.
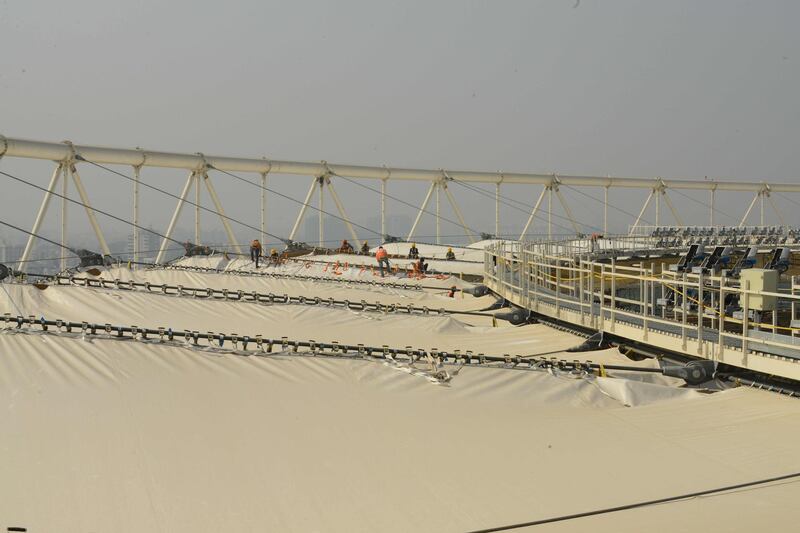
x=154, y=428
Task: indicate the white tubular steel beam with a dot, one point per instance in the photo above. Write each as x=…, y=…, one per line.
x=750, y=208
x=533, y=213
x=303, y=209
x=343, y=213
x=568, y=211
x=37, y=223
x=218, y=207
x=89, y=212
x=675, y=214
x=777, y=211
x=197, y=178
x=711, y=209
x=383, y=209
x=438, y=219
x=497, y=210
x=64, y=211
x=457, y=211
x=168, y=235
x=136, y=238
x=421, y=210
x=62, y=152
x=644, y=208
x=320, y=214
x=263, y=207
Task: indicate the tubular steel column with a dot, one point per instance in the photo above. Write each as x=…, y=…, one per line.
x=343, y=213
x=64, y=192
x=263, y=206
x=533, y=213
x=605, y=210
x=136, y=170
x=197, y=208
x=89, y=212
x=168, y=235
x=497, y=210
x=303, y=209
x=383, y=209
x=457, y=211
x=550, y=212
x=711, y=211
x=218, y=206
x=421, y=210
x=321, y=216
x=438, y=240
x=37, y=223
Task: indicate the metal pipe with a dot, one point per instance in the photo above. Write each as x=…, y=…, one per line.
x=303, y=209
x=37, y=223
x=61, y=152
x=174, y=219
x=533, y=213
x=89, y=212
x=64, y=202
x=343, y=213
x=421, y=210
x=136, y=237
x=218, y=206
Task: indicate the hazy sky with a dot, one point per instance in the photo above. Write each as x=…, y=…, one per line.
x=631, y=88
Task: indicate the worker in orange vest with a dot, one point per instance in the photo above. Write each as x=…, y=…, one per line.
x=382, y=257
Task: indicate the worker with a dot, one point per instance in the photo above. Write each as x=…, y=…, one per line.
x=365, y=248
x=273, y=256
x=383, y=259
x=452, y=292
x=346, y=247
x=255, y=251
x=413, y=253
x=421, y=266
x=451, y=256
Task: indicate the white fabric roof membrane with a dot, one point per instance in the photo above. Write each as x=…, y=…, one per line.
x=435, y=251
x=434, y=265
x=103, y=435
x=100, y=434
x=313, y=266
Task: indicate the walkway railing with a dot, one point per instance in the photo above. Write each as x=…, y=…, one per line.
x=713, y=317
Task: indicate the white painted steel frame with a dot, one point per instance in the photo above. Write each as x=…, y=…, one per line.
x=60, y=152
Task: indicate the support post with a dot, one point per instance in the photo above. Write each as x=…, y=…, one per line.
x=263, y=206
x=168, y=235
x=64, y=192
x=37, y=223
x=136, y=237
x=711, y=211
x=89, y=212
x=303, y=209
x=750, y=208
x=197, y=208
x=641, y=213
x=550, y=213
x=533, y=212
x=421, y=210
x=218, y=207
x=568, y=211
x=605, y=210
x=777, y=211
x=321, y=215
x=457, y=211
x=497, y=210
x=383, y=209
x=438, y=239
x=342, y=212
x=675, y=214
